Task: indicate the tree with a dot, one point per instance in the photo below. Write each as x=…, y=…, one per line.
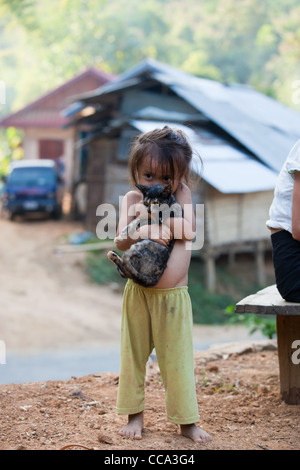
x=10, y=148
x=43, y=44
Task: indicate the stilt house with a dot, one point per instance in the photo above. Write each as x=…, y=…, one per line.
x=242, y=136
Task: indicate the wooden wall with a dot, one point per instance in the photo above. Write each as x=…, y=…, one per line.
x=234, y=218
x=96, y=173
x=235, y=223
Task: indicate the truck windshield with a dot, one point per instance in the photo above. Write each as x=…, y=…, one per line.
x=29, y=177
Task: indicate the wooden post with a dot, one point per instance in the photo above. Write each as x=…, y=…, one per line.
x=210, y=273
x=96, y=181
x=260, y=263
x=288, y=331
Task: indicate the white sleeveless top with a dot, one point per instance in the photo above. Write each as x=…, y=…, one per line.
x=281, y=208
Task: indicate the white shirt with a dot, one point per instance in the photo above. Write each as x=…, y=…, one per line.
x=281, y=208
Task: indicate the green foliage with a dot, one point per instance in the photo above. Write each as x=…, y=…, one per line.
x=208, y=308
x=10, y=148
x=22, y=10
x=44, y=44
x=101, y=269
x=265, y=324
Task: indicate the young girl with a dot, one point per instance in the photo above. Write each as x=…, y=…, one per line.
x=161, y=316
x=284, y=224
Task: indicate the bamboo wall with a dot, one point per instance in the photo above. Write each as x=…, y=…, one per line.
x=235, y=218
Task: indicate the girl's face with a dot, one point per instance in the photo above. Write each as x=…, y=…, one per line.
x=150, y=173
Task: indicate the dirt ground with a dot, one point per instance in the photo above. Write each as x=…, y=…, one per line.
x=238, y=397
x=48, y=302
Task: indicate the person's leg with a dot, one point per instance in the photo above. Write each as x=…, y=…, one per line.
x=286, y=261
x=172, y=327
x=136, y=346
x=172, y=334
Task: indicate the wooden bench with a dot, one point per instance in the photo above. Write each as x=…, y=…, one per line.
x=268, y=301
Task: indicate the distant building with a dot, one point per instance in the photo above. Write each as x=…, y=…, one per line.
x=242, y=136
x=46, y=134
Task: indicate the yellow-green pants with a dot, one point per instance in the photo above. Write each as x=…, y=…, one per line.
x=160, y=319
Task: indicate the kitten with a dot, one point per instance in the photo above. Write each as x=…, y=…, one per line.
x=145, y=261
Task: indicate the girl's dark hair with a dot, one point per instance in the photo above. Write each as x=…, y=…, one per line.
x=169, y=146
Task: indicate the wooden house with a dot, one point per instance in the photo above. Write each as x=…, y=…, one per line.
x=242, y=136
x=46, y=134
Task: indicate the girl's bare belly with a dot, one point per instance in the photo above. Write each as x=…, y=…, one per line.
x=176, y=272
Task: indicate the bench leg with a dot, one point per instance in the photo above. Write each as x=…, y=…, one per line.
x=288, y=332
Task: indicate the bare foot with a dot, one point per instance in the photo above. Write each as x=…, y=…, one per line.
x=133, y=428
x=195, y=433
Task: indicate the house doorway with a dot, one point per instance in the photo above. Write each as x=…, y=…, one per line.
x=51, y=148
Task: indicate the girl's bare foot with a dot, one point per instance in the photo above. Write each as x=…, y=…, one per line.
x=195, y=433
x=133, y=428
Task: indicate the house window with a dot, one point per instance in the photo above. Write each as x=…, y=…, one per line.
x=52, y=149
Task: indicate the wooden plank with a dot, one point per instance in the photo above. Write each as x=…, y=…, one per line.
x=267, y=301
x=288, y=334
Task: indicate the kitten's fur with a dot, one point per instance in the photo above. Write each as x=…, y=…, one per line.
x=145, y=261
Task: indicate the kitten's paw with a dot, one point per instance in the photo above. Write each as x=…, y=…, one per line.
x=112, y=255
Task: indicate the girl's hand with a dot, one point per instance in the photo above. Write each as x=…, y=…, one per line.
x=184, y=227
x=158, y=233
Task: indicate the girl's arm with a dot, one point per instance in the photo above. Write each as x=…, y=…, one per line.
x=183, y=228
x=126, y=216
x=296, y=207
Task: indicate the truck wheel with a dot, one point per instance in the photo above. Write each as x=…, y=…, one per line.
x=10, y=215
x=57, y=213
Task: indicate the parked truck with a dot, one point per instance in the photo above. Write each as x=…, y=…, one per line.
x=33, y=186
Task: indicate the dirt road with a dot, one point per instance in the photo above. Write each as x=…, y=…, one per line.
x=47, y=301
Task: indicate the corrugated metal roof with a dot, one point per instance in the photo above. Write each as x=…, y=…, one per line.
x=243, y=98
x=110, y=87
x=152, y=113
x=226, y=168
x=261, y=124
x=270, y=145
